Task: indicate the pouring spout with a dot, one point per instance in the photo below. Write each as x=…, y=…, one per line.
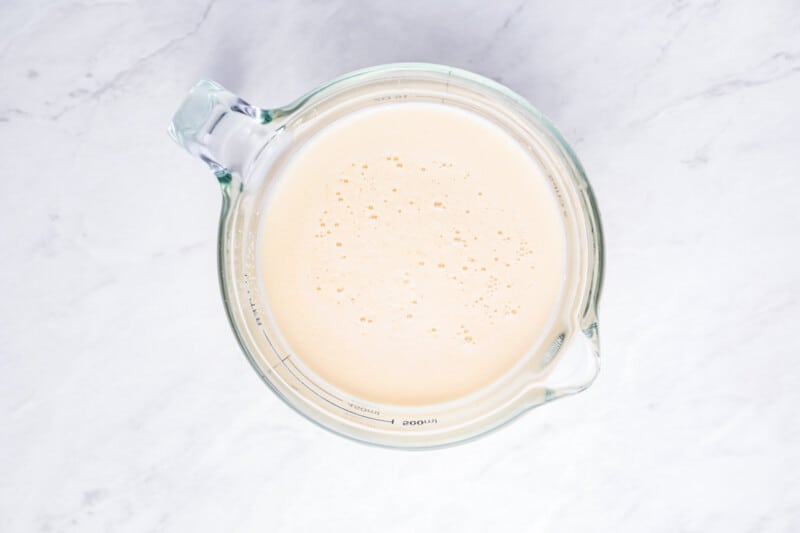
x=220, y=128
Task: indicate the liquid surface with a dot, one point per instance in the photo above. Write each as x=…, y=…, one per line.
x=411, y=253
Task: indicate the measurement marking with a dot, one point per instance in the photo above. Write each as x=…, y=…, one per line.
x=281, y=361
x=274, y=350
x=312, y=381
x=315, y=392
x=334, y=404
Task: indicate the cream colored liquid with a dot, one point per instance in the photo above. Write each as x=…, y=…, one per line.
x=412, y=253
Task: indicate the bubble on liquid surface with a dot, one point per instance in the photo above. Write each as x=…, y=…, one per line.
x=441, y=183
x=405, y=248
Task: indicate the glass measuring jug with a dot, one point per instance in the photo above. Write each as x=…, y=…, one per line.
x=249, y=149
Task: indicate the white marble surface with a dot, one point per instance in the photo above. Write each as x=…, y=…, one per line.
x=124, y=402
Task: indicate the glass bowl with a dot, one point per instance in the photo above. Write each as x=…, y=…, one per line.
x=248, y=147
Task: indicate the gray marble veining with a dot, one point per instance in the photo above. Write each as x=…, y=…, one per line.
x=126, y=406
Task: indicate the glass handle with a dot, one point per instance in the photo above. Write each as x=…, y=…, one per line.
x=221, y=129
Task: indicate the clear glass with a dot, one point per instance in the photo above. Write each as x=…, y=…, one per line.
x=247, y=149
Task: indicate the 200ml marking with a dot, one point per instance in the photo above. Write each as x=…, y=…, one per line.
x=420, y=422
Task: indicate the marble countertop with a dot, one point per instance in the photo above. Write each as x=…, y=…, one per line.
x=126, y=406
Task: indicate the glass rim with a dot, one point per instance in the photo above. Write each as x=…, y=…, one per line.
x=401, y=70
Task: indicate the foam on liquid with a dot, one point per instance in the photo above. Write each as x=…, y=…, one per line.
x=411, y=253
